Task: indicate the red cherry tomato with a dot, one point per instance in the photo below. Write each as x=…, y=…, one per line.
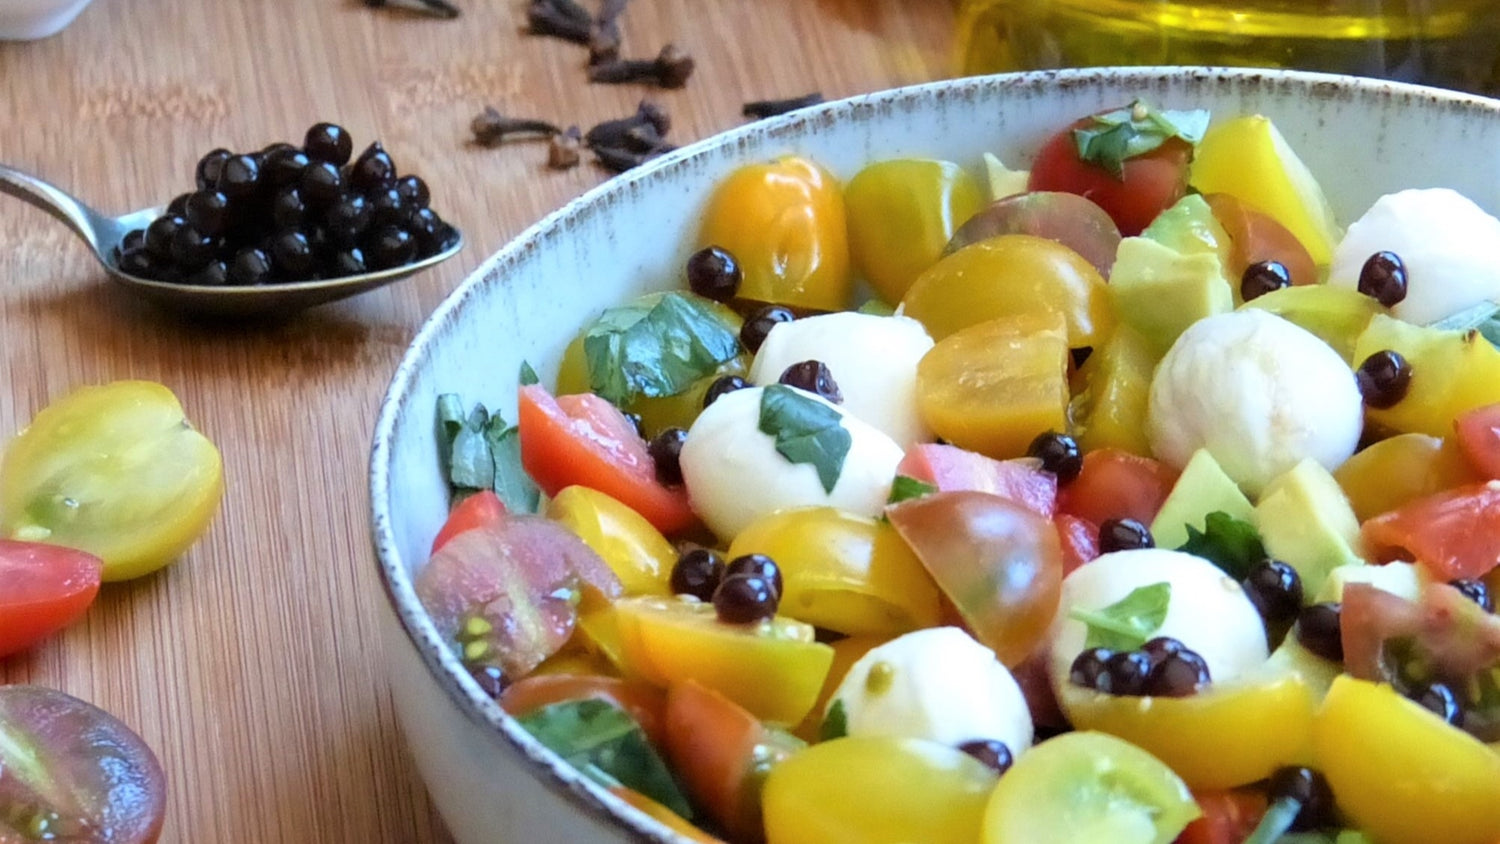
x=1479, y=439
x=585, y=440
x=480, y=509
x=1452, y=534
x=1228, y=817
x=1080, y=540
x=1115, y=484
x=1151, y=182
x=43, y=588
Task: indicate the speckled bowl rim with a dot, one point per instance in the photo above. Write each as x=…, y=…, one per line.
x=440, y=660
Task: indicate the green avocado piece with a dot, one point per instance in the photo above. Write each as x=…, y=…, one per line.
x=1160, y=292
x=1337, y=315
x=1305, y=520
x=1202, y=488
x=1189, y=227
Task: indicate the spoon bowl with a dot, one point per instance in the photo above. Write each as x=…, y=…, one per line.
x=104, y=233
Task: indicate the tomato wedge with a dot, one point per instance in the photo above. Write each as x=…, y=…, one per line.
x=43, y=588
x=952, y=469
x=1115, y=484
x=1479, y=439
x=480, y=509
x=1453, y=534
x=1229, y=816
x=1149, y=184
x=1080, y=540
x=584, y=440
x=644, y=702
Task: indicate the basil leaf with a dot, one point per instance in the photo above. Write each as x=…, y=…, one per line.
x=1227, y=542
x=605, y=743
x=450, y=420
x=634, y=351
x=470, y=465
x=806, y=431
x=835, y=723
x=1129, y=622
x=1113, y=137
x=509, y=480
x=905, y=488
x=528, y=375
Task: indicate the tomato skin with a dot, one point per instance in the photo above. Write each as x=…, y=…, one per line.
x=480, y=509
x=1228, y=817
x=1116, y=484
x=584, y=440
x=644, y=703
x=1080, y=540
x=1151, y=182
x=712, y=746
x=1256, y=236
x=43, y=588
x=950, y=469
x=667, y=817
x=1452, y=534
x=1479, y=439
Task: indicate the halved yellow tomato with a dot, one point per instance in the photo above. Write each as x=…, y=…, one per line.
x=637, y=552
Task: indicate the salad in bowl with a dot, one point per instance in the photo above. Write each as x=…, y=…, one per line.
x=1122, y=468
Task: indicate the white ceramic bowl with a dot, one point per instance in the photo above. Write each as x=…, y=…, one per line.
x=490, y=781
x=27, y=20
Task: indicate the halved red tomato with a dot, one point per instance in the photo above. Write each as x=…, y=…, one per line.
x=1453, y=534
x=1229, y=816
x=1115, y=484
x=43, y=588
x=1479, y=439
x=644, y=702
x=1080, y=540
x=481, y=508
x=1255, y=237
x=952, y=469
x=1150, y=183
x=584, y=440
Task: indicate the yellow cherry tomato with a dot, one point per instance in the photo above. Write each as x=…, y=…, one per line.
x=115, y=470
x=1008, y=276
x=1401, y=773
x=637, y=552
x=1403, y=468
x=846, y=652
x=840, y=574
x=1221, y=737
x=772, y=668
x=876, y=790
x=901, y=215
x=785, y=223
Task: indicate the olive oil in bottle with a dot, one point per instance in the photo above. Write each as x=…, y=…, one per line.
x=1448, y=43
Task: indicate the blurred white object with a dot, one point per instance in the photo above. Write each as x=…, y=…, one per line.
x=28, y=20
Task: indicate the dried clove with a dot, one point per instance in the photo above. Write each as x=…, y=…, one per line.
x=604, y=34
x=565, y=151
x=649, y=121
x=670, y=69
x=620, y=160
x=761, y=109
x=490, y=127
x=559, y=19
x=436, y=8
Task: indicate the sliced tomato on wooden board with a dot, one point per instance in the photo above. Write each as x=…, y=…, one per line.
x=1453, y=534
x=1115, y=484
x=584, y=440
x=953, y=469
x=43, y=588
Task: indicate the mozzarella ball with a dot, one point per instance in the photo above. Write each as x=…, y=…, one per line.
x=1258, y=392
x=1449, y=245
x=873, y=359
x=1207, y=610
x=936, y=684
x=734, y=474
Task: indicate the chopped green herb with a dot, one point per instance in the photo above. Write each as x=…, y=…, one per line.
x=479, y=451
x=603, y=742
x=1125, y=133
x=806, y=431
x=905, y=488
x=1483, y=317
x=661, y=350
x=1129, y=622
x=835, y=723
x=1229, y=543
x=876, y=307
x=528, y=375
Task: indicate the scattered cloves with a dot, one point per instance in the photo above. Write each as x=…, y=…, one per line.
x=670, y=69
x=604, y=34
x=565, y=151
x=761, y=109
x=559, y=19
x=436, y=8
x=631, y=131
x=490, y=127
x=619, y=160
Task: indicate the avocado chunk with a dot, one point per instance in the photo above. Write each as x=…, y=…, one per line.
x=1336, y=315
x=1202, y=488
x=1190, y=227
x=1403, y=580
x=1305, y=521
x=1159, y=291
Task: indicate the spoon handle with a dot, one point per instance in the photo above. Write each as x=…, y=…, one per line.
x=85, y=221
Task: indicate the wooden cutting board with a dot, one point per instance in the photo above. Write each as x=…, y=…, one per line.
x=252, y=665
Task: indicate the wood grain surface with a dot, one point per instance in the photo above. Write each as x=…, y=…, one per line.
x=252, y=665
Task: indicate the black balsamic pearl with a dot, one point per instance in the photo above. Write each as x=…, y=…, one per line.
x=284, y=166
x=178, y=206
x=140, y=263
x=753, y=332
x=387, y=208
x=1264, y=277
x=1275, y=589
x=1161, y=647
x=160, y=233
x=321, y=184
x=414, y=191
x=239, y=177
x=666, y=452
x=427, y=227
x=1318, y=629
x=714, y=274
x=213, y=274
x=994, y=754
x=373, y=170
x=249, y=266
x=814, y=377
x=191, y=249
x=209, y=166
x=1309, y=788
x=1384, y=378
x=288, y=211
x=292, y=255
x=347, y=219
x=134, y=239
x=346, y=262
x=208, y=212
x=721, y=385
x=1475, y=590
x=1124, y=535
x=697, y=572
x=389, y=246
x=744, y=599
x=1177, y=674
x=1383, y=278
x=1059, y=454
x=759, y=565
x=1441, y=700
x=328, y=142
x=1126, y=673
x=490, y=678
x=1089, y=666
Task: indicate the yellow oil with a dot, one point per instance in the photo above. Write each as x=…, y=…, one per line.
x=1449, y=43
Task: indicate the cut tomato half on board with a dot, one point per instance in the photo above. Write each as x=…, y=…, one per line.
x=43, y=588
x=584, y=440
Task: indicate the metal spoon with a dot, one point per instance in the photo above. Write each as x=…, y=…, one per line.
x=103, y=234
